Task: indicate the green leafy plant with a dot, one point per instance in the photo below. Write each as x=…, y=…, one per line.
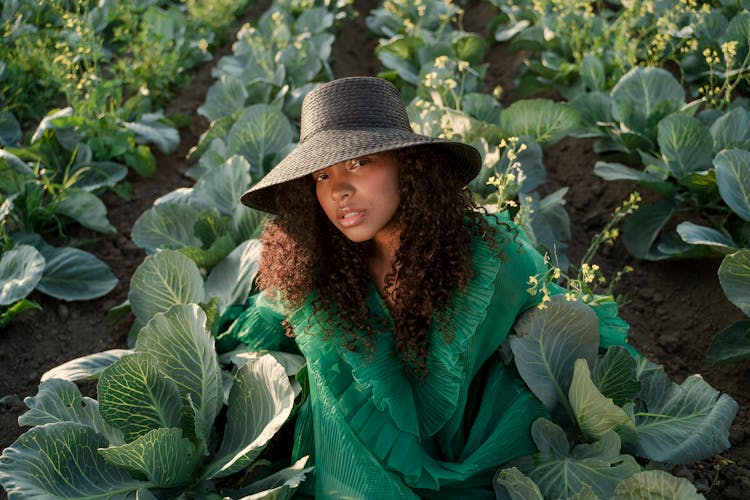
x=258, y=97
x=716, y=60
x=203, y=222
x=58, y=177
x=100, y=57
x=21, y=270
x=52, y=183
x=39, y=200
x=213, y=19
x=607, y=404
x=47, y=198
x=400, y=17
x=733, y=343
x=576, y=47
x=612, y=407
x=66, y=273
x=166, y=49
x=154, y=427
x=694, y=163
x=168, y=418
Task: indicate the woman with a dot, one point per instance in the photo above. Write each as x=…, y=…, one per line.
x=398, y=292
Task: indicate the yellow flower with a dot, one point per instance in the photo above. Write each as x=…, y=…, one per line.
x=633, y=200
x=729, y=49
x=545, y=299
x=446, y=125
x=587, y=273
x=440, y=62
x=609, y=236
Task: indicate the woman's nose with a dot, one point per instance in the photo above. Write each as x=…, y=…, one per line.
x=341, y=190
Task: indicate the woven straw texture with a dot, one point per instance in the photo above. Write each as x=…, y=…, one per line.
x=349, y=118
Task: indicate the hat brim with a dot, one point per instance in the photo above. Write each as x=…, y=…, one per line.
x=329, y=147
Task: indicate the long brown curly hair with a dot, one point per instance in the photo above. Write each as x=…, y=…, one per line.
x=303, y=251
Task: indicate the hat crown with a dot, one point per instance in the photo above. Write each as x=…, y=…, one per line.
x=353, y=103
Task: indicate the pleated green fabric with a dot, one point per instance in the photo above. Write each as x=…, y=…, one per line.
x=378, y=433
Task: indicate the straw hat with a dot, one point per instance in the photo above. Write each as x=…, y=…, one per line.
x=348, y=118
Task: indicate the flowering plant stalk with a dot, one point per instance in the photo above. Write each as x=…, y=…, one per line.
x=508, y=183
x=587, y=282
x=722, y=81
x=447, y=82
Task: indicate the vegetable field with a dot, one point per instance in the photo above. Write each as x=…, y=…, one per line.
x=569, y=127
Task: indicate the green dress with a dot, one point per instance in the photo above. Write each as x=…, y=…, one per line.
x=377, y=433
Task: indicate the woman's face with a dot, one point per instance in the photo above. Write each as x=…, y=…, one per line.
x=360, y=196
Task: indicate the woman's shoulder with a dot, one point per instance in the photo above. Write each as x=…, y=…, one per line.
x=504, y=233
x=508, y=246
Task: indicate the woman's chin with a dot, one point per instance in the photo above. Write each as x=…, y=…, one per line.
x=356, y=236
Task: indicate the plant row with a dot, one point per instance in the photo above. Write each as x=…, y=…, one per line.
x=685, y=137
x=95, y=73
x=601, y=421
x=172, y=417
x=97, y=57
x=440, y=71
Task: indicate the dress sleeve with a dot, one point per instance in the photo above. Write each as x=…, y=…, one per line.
x=258, y=323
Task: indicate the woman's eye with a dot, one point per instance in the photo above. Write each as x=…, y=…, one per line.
x=359, y=162
x=320, y=177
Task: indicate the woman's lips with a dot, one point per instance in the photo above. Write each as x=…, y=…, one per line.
x=351, y=217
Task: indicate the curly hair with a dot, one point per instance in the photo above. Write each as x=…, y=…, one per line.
x=304, y=252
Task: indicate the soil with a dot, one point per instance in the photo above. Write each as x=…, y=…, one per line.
x=673, y=308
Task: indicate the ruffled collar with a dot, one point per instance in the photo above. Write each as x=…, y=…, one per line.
x=420, y=407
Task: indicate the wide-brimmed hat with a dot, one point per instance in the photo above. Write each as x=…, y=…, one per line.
x=348, y=118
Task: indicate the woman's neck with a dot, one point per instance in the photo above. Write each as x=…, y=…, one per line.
x=383, y=259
